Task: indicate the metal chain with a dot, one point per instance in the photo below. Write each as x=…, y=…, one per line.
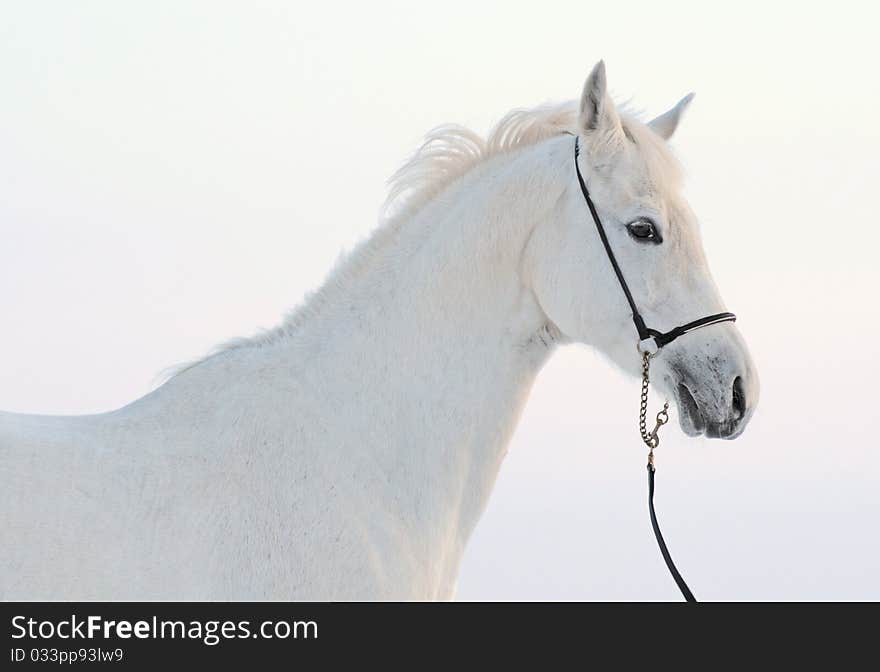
x=652, y=439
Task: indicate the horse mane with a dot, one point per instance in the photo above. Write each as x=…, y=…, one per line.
x=446, y=154
x=451, y=151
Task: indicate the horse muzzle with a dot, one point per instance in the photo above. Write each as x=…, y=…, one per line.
x=717, y=402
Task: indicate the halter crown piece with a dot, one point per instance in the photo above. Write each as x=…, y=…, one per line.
x=650, y=343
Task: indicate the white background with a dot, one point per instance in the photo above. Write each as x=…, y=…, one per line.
x=173, y=174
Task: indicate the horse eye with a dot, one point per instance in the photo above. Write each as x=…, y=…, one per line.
x=644, y=230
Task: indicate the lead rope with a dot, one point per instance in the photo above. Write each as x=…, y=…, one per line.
x=652, y=440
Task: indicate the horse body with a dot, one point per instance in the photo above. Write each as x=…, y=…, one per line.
x=349, y=453
x=350, y=458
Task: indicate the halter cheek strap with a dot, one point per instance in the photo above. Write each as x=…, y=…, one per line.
x=646, y=334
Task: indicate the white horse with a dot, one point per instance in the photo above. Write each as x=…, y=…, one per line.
x=349, y=453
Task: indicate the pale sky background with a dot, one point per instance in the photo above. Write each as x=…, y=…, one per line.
x=173, y=174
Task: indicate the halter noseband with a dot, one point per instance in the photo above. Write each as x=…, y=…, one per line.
x=645, y=333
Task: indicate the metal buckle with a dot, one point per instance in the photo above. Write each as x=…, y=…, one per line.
x=648, y=346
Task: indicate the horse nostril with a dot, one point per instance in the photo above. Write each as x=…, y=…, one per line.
x=739, y=399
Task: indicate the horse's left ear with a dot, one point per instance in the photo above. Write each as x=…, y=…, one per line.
x=666, y=123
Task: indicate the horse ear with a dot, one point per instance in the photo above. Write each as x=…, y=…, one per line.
x=666, y=123
x=597, y=111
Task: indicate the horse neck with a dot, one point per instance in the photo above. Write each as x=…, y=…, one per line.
x=419, y=358
x=445, y=334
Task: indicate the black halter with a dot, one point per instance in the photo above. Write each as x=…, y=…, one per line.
x=645, y=332
x=660, y=339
